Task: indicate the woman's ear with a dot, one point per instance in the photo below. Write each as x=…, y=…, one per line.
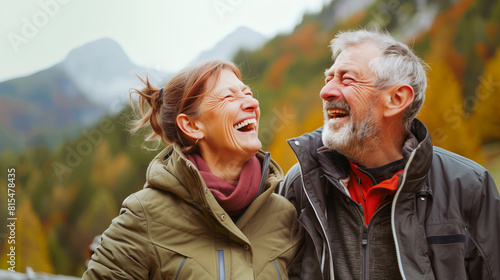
x=398, y=100
x=190, y=127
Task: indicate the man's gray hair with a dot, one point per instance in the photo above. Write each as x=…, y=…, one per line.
x=397, y=64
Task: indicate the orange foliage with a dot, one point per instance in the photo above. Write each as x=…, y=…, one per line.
x=283, y=129
x=487, y=109
x=492, y=31
x=291, y=128
x=64, y=194
x=453, y=13
x=458, y=10
x=481, y=49
x=444, y=114
x=314, y=118
x=442, y=47
x=275, y=74
x=303, y=38
x=56, y=218
x=355, y=18
x=442, y=33
x=456, y=61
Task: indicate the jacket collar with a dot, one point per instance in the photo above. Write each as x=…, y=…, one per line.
x=305, y=148
x=171, y=171
x=311, y=154
x=421, y=157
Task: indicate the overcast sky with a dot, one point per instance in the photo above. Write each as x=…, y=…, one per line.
x=162, y=34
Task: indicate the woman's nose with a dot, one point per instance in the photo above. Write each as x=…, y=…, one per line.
x=249, y=103
x=330, y=91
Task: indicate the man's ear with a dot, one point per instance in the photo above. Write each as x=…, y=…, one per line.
x=398, y=100
x=190, y=127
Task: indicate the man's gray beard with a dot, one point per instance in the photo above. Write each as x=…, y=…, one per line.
x=356, y=142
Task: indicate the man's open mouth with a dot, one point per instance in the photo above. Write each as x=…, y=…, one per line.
x=337, y=113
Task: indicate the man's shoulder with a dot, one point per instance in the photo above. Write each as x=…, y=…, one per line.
x=453, y=176
x=305, y=147
x=293, y=174
x=312, y=138
x=291, y=178
x=451, y=161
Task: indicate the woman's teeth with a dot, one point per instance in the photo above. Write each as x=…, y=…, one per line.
x=245, y=123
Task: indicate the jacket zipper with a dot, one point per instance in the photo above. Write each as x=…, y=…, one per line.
x=332, y=277
x=277, y=269
x=365, y=267
x=481, y=251
x=180, y=268
x=364, y=238
x=265, y=172
x=200, y=191
x=364, y=243
x=393, y=209
x=220, y=257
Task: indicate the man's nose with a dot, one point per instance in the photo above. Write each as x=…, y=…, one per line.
x=330, y=91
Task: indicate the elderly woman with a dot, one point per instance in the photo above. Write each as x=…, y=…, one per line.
x=208, y=209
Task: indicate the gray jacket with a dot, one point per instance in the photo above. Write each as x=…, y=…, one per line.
x=444, y=218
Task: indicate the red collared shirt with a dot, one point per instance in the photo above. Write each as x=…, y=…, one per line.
x=370, y=195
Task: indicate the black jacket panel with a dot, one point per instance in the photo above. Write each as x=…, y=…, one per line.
x=445, y=216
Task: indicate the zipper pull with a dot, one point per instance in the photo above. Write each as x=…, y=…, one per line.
x=364, y=242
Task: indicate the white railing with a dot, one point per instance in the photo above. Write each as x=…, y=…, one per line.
x=31, y=275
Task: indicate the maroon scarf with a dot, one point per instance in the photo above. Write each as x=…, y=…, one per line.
x=233, y=199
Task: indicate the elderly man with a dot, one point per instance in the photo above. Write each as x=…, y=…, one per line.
x=376, y=199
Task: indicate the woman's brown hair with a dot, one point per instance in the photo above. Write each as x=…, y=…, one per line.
x=182, y=94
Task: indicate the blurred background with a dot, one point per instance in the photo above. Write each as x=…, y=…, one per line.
x=66, y=68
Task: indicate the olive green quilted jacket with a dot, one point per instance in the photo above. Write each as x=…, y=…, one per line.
x=175, y=229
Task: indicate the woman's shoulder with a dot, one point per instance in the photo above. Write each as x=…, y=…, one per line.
x=141, y=195
x=150, y=194
x=276, y=203
x=147, y=200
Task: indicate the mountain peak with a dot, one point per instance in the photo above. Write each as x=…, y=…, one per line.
x=99, y=46
x=103, y=56
x=241, y=38
x=102, y=70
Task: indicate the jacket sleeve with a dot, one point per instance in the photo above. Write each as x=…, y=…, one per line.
x=125, y=250
x=291, y=187
x=287, y=189
x=484, y=228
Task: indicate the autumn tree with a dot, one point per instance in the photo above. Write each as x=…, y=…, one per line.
x=30, y=242
x=487, y=101
x=444, y=113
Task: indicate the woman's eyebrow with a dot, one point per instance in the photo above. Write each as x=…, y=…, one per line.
x=235, y=88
